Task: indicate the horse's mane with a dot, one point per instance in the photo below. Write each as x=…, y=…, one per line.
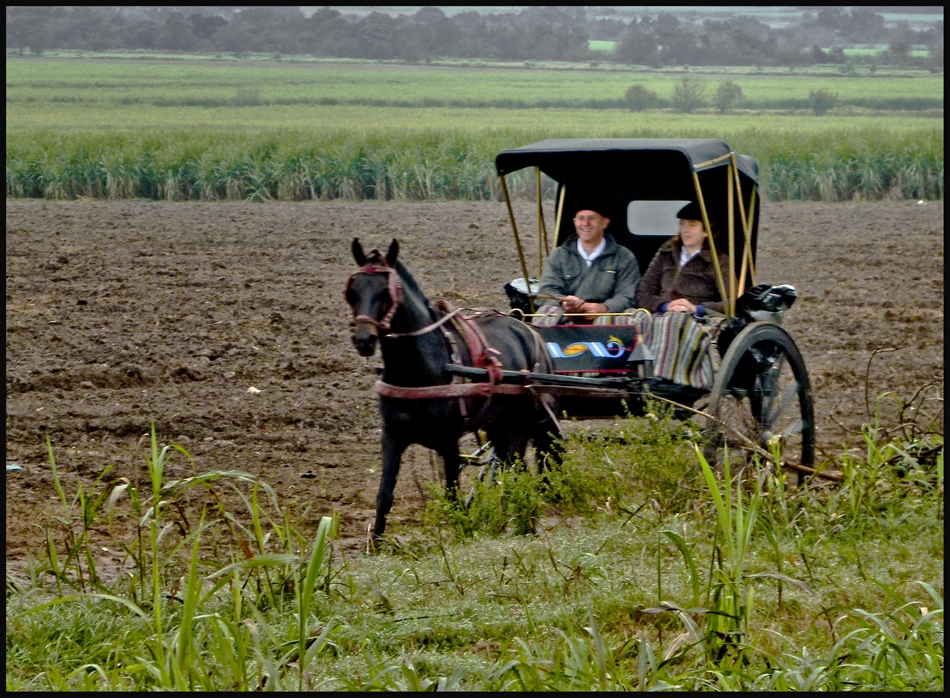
x=409, y=281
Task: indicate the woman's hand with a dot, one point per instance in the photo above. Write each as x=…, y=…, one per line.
x=680, y=305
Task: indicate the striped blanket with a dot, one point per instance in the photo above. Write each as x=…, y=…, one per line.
x=682, y=347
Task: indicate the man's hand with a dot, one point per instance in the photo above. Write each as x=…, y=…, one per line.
x=681, y=305
x=573, y=304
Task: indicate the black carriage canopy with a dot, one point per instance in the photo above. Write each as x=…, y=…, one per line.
x=643, y=182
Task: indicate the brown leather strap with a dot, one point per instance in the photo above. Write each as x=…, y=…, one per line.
x=481, y=353
x=452, y=390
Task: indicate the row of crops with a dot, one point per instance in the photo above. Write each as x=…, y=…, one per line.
x=865, y=164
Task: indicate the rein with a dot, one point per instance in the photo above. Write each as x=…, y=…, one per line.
x=428, y=328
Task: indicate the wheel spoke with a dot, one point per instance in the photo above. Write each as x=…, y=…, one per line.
x=762, y=395
x=769, y=382
x=790, y=393
x=795, y=428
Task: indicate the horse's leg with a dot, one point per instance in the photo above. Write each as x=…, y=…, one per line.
x=452, y=462
x=392, y=455
x=546, y=437
x=509, y=442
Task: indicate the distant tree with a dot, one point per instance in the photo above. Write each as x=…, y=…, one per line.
x=29, y=27
x=176, y=34
x=637, y=47
x=39, y=40
x=727, y=96
x=203, y=27
x=428, y=14
x=441, y=37
x=818, y=55
x=688, y=95
x=377, y=36
x=272, y=29
x=900, y=46
x=792, y=51
x=934, y=60
x=142, y=34
x=679, y=47
x=639, y=98
x=864, y=25
x=832, y=18
x=321, y=17
x=82, y=28
x=234, y=38
x=822, y=101
x=836, y=55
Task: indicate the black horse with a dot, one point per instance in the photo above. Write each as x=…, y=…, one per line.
x=389, y=308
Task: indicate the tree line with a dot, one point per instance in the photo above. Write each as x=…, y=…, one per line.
x=690, y=94
x=535, y=33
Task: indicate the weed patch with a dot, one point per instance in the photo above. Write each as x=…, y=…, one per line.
x=663, y=573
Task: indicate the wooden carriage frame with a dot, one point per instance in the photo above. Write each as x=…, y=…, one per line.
x=700, y=156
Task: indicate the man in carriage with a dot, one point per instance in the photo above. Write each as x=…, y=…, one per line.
x=590, y=272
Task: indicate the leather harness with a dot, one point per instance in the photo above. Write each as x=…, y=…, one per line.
x=463, y=319
x=482, y=356
x=395, y=293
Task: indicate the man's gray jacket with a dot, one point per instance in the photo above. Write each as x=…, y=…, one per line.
x=611, y=279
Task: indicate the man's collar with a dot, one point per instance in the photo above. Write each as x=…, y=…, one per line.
x=596, y=252
x=573, y=239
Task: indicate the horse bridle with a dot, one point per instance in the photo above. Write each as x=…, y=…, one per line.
x=393, y=286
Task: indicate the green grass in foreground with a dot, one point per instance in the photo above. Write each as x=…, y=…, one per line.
x=662, y=574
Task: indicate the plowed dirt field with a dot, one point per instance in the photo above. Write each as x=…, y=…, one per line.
x=120, y=313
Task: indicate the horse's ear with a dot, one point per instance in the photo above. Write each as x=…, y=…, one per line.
x=358, y=253
x=392, y=253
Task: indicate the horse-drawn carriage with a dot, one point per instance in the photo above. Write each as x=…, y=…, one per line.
x=449, y=371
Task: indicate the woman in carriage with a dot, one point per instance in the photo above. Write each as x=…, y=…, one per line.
x=681, y=291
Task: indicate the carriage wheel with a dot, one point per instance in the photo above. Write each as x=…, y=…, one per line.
x=762, y=396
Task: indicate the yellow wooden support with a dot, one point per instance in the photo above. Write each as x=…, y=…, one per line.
x=746, y=229
x=560, y=211
x=514, y=228
x=731, y=217
x=712, y=246
x=541, y=232
x=747, y=261
x=544, y=234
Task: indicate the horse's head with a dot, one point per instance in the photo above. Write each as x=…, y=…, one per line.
x=374, y=293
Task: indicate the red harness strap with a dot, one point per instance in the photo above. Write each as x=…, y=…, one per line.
x=482, y=356
x=393, y=287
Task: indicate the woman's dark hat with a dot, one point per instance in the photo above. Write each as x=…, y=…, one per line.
x=690, y=212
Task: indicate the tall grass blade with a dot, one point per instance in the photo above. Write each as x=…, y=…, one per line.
x=694, y=582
